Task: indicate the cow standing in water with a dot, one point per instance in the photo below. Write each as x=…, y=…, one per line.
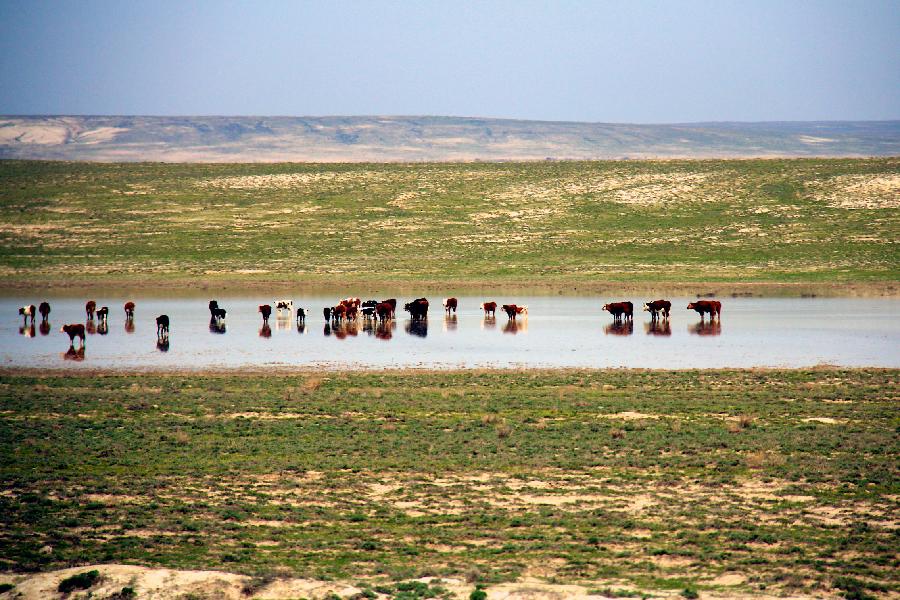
x=620, y=310
x=713, y=307
x=658, y=306
x=129, y=311
x=75, y=330
x=44, y=309
x=28, y=312
x=266, y=312
x=417, y=309
x=162, y=326
x=489, y=308
x=513, y=310
x=89, y=309
x=392, y=302
x=450, y=304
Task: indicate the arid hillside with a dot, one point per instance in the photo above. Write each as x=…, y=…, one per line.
x=378, y=139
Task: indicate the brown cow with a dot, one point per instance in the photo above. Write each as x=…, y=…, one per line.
x=658, y=306
x=489, y=308
x=44, y=309
x=620, y=309
x=266, y=311
x=384, y=311
x=129, y=310
x=713, y=307
x=512, y=310
x=75, y=330
x=103, y=313
x=338, y=312
x=89, y=308
x=450, y=304
x=392, y=302
x=417, y=309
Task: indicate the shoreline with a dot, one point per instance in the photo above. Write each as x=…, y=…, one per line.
x=189, y=286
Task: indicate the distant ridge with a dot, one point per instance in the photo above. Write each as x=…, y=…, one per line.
x=380, y=139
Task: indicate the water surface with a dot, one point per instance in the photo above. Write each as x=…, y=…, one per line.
x=559, y=332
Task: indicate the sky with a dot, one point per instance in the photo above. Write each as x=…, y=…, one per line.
x=625, y=61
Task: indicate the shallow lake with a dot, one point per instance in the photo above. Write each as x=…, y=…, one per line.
x=559, y=332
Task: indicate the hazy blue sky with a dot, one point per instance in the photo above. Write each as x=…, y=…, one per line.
x=619, y=61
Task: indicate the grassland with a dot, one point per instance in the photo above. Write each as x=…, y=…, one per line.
x=632, y=482
x=559, y=225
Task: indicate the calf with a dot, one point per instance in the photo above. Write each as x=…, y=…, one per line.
x=266, y=311
x=162, y=326
x=301, y=315
x=28, y=312
x=287, y=305
x=89, y=308
x=129, y=310
x=713, y=307
x=75, y=330
x=417, y=309
x=327, y=313
x=489, y=308
x=103, y=313
x=450, y=304
x=44, y=309
x=658, y=306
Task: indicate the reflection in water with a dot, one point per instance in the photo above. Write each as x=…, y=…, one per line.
x=706, y=328
x=489, y=323
x=216, y=326
x=103, y=327
x=162, y=343
x=342, y=329
x=515, y=326
x=265, y=331
x=418, y=328
x=384, y=330
x=45, y=327
x=658, y=327
x=282, y=323
x=301, y=327
x=450, y=322
x=28, y=330
x=619, y=328
x=73, y=354
x=129, y=325
x=327, y=330
x=90, y=327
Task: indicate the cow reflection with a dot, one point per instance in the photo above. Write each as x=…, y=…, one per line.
x=103, y=327
x=619, y=328
x=265, y=331
x=450, y=323
x=129, y=325
x=515, y=326
x=45, y=327
x=282, y=323
x=217, y=326
x=73, y=354
x=706, y=328
x=418, y=328
x=90, y=327
x=489, y=323
x=342, y=329
x=368, y=326
x=327, y=330
x=384, y=330
x=301, y=327
x=658, y=327
x=162, y=343
x=28, y=330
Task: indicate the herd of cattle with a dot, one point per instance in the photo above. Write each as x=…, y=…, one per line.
x=351, y=309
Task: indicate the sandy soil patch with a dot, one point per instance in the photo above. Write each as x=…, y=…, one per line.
x=860, y=191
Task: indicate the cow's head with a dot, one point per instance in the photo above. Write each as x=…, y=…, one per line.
x=692, y=305
x=646, y=307
x=606, y=307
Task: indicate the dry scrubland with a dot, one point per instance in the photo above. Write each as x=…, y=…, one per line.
x=615, y=483
x=559, y=225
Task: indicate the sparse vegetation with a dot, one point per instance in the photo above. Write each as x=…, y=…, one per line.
x=558, y=225
x=81, y=581
x=94, y=472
